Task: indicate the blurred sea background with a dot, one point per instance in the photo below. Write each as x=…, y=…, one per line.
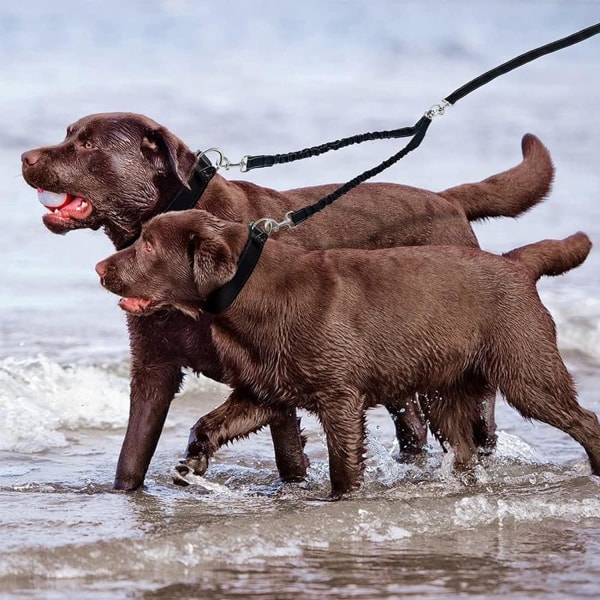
x=271, y=77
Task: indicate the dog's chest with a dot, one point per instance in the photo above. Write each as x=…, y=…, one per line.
x=266, y=366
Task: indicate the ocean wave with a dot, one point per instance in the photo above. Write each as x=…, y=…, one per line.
x=576, y=313
x=40, y=400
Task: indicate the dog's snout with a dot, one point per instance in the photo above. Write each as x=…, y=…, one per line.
x=30, y=157
x=101, y=268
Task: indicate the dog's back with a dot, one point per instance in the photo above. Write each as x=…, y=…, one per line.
x=401, y=319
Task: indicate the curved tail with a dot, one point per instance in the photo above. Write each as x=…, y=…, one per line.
x=552, y=257
x=512, y=192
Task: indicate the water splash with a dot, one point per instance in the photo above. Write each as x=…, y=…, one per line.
x=40, y=400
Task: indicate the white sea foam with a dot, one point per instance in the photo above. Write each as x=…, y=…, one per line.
x=41, y=400
x=577, y=317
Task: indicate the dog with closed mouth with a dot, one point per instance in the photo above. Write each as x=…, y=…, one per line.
x=336, y=332
x=117, y=170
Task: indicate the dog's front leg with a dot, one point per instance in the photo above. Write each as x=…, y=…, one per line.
x=239, y=416
x=344, y=423
x=152, y=390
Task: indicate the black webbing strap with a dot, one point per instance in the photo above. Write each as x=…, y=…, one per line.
x=265, y=160
x=222, y=298
x=187, y=198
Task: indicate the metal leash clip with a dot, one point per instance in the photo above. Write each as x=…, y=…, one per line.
x=437, y=109
x=269, y=226
x=224, y=162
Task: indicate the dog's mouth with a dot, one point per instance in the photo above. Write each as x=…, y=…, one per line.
x=137, y=306
x=65, y=211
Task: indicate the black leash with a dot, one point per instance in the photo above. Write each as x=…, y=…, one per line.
x=221, y=299
x=261, y=161
x=420, y=128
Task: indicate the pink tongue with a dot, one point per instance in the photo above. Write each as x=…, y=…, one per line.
x=134, y=304
x=71, y=202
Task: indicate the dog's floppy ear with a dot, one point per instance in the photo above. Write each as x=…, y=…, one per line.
x=212, y=262
x=161, y=146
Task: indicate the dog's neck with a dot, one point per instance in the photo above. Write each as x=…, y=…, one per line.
x=264, y=297
x=172, y=196
x=257, y=331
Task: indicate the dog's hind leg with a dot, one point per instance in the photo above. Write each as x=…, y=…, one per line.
x=409, y=421
x=288, y=444
x=548, y=395
x=534, y=379
x=451, y=413
x=484, y=423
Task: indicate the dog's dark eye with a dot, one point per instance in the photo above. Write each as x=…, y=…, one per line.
x=88, y=145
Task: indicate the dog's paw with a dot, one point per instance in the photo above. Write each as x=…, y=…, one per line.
x=184, y=476
x=190, y=471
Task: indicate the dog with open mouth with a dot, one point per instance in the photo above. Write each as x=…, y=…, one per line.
x=337, y=332
x=117, y=170
x=64, y=209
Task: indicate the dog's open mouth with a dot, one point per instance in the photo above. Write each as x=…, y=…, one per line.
x=136, y=306
x=63, y=208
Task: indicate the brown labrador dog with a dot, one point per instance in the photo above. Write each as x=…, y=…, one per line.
x=120, y=169
x=337, y=332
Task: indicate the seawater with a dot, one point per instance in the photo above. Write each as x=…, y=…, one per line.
x=268, y=77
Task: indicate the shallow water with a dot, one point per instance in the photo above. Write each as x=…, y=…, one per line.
x=263, y=81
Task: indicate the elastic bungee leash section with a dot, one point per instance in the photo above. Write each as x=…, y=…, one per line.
x=260, y=230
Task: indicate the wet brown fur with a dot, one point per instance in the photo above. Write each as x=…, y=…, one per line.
x=337, y=332
x=128, y=167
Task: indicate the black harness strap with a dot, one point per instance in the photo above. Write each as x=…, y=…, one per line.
x=221, y=298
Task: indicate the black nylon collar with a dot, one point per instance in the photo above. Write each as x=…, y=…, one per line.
x=221, y=299
x=186, y=198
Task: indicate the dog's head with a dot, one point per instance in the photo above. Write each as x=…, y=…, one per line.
x=113, y=170
x=177, y=261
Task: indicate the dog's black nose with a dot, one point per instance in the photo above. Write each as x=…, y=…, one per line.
x=30, y=157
